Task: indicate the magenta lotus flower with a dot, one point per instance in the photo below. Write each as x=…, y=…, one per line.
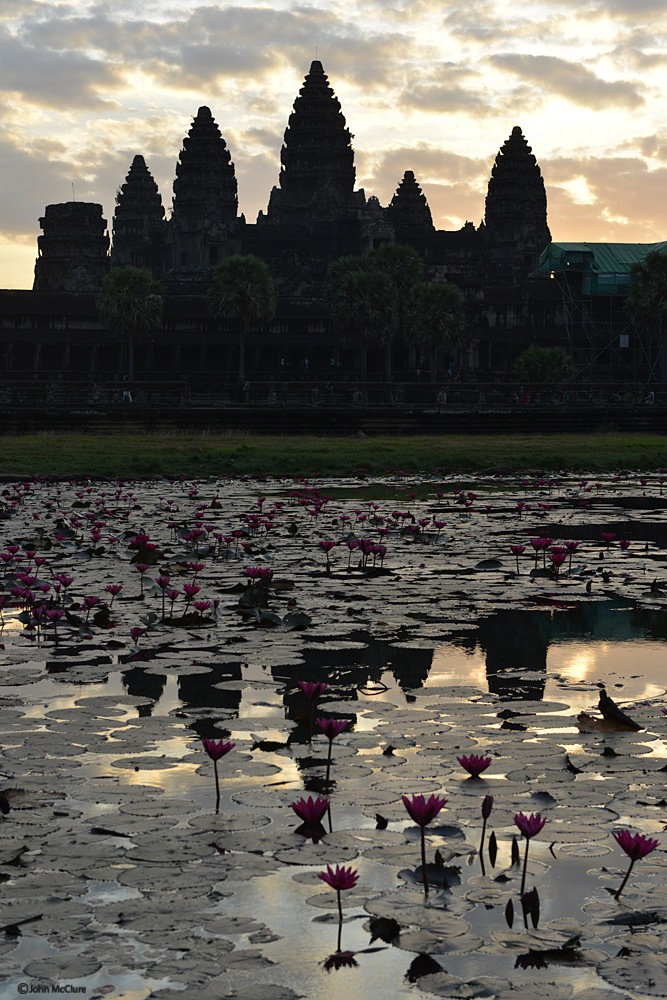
x=529, y=827
x=557, y=559
x=217, y=749
x=340, y=877
x=313, y=690
x=474, y=764
x=517, y=550
x=636, y=846
x=332, y=727
x=310, y=810
x=423, y=811
x=259, y=572
x=54, y=615
x=191, y=590
x=608, y=537
x=137, y=632
x=624, y=544
x=114, y=589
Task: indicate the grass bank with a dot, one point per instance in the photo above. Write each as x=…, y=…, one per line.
x=143, y=455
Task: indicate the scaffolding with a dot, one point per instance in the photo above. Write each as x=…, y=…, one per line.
x=594, y=279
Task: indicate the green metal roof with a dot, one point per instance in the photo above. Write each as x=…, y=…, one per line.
x=604, y=267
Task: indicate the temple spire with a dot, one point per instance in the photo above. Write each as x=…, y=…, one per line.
x=409, y=210
x=205, y=204
x=138, y=220
x=317, y=160
x=516, y=202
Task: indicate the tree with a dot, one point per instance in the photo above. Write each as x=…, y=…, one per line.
x=646, y=301
x=544, y=364
x=130, y=303
x=436, y=318
x=403, y=266
x=361, y=301
x=243, y=292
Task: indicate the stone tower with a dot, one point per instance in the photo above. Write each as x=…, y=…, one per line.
x=138, y=222
x=408, y=211
x=73, y=250
x=516, y=202
x=205, y=203
x=317, y=173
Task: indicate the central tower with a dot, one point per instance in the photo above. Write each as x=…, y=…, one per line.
x=317, y=160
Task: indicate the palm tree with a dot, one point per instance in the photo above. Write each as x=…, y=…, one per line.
x=646, y=301
x=131, y=302
x=437, y=319
x=243, y=292
x=361, y=301
x=544, y=364
x=403, y=266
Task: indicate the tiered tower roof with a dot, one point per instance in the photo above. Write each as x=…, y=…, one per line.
x=205, y=188
x=409, y=208
x=317, y=159
x=139, y=215
x=516, y=202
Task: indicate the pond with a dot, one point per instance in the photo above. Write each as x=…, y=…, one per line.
x=445, y=619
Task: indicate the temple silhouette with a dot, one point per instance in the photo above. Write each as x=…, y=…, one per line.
x=314, y=214
x=514, y=294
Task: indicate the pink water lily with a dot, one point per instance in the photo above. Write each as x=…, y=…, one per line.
x=636, y=846
x=517, y=550
x=529, y=827
x=340, y=877
x=423, y=811
x=474, y=764
x=313, y=690
x=310, y=810
x=332, y=727
x=217, y=749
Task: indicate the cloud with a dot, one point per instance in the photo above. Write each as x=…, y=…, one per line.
x=39, y=175
x=570, y=80
x=627, y=199
x=446, y=88
x=53, y=79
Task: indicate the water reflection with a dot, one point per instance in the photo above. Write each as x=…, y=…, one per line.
x=514, y=654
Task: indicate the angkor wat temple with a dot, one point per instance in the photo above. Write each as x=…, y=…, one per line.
x=314, y=215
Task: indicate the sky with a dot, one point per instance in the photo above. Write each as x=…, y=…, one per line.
x=424, y=86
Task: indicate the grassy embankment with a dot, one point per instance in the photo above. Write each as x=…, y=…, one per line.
x=144, y=455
